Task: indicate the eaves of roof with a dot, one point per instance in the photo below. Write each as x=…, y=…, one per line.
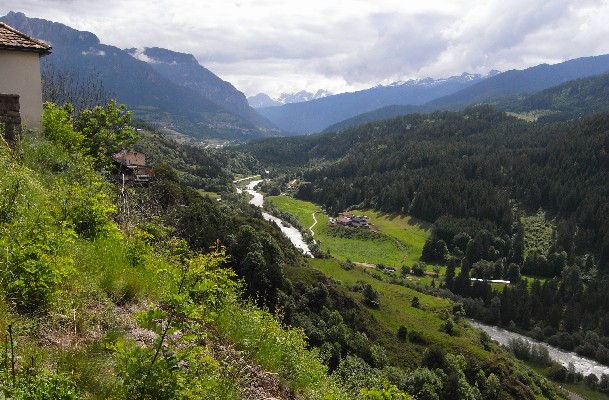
x=12, y=39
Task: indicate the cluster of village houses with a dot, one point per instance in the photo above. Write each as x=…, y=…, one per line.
x=348, y=219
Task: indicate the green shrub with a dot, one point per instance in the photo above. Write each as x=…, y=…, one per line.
x=41, y=386
x=34, y=265
x=402, y=332
x=58, y=126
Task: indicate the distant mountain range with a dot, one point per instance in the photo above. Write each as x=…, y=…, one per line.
x=161, y=86
x=172, y=90
x=520, y=82
x=264, y=100
x=316, y=115
x=569, y=89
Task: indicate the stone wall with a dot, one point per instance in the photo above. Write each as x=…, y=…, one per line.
x=10, y=117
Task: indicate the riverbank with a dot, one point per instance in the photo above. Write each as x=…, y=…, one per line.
x=292, y=233
x=584, y=365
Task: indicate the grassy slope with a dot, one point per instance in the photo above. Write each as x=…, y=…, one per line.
x=81, y=326
x=410, y=233
x=428, y=320
x=400, y=241
x=395, y=307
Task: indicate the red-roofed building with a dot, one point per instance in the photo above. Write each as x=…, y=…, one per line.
x=131, y=167
x=20, y=73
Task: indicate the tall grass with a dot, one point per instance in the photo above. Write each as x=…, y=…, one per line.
x=279, y=349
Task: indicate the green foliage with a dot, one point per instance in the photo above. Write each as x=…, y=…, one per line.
x=402, y=332
x=278, y=349
x=536, y=353
x=106, y=130
x=371, y=296
x=87, y=207
x=34, y=266
x=97, y=132
x=177, y=367
x=388, y=392
x=423, y=383
x=41, y=385
x=58, y=126
x=34, y=263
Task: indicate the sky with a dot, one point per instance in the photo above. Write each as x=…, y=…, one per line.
x=275, y=46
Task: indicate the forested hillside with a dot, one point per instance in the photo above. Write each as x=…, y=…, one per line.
x=477, y=174
x=573, y=99
x=158, y=292
x=468, y=164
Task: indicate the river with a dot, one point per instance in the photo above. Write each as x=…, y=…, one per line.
x=581, y=364
x=292, y=233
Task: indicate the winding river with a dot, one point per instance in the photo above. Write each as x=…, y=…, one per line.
x=581, y=364
x=292, y=233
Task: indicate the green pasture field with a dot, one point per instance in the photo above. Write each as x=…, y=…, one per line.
x=399, y=242
x=395, y=310
x=211, y=195
x=411, y=233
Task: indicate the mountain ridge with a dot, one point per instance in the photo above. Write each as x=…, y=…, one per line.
x=184, y=70
x=152, y=96
x=529, y=80
x=316, y=115
x=262, y=100
x=509, y=91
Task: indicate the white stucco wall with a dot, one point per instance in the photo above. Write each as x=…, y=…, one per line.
x=20, y=74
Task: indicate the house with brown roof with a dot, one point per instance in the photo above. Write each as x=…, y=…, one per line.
x=131, y=167
x=20, y=75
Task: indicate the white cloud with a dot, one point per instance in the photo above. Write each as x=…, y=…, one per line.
x=93, y=52
x=276, y=46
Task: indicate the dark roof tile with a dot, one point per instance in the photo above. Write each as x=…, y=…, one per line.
x=12, y=39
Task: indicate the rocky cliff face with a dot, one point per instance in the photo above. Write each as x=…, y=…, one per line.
x=184, y=70
x=170, y=88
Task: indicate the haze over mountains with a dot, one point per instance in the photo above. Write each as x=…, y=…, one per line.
x=264, y=100
x=171, y=89
x=572, y=88
x=316, y=115
x=335, y=112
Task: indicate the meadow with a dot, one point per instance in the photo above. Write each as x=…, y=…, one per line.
x=396, y=310
x=399, y=242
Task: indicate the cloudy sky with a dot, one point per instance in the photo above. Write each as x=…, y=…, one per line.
x=276, y=46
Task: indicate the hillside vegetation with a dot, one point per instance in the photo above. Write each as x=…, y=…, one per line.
x=101, y=299
x=157, y=292
x=480, y=176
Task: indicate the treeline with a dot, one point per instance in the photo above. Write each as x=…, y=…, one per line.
x=476, y=165
x=207, y=169
x=474, y=174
